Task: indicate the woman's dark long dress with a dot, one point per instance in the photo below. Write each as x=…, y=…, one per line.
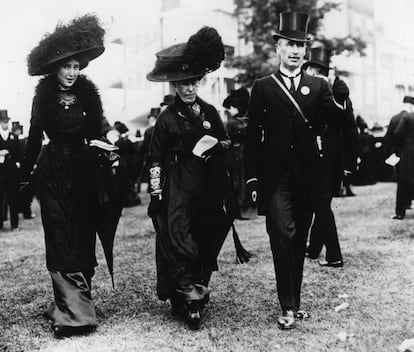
x=67, y=189
x=192, y=225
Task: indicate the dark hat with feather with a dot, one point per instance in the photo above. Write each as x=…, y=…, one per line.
x=82, y=38
x=203, y=53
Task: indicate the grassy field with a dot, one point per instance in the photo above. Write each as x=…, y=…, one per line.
x=377, y=281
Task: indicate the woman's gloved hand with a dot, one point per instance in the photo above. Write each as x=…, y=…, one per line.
x=155, y=205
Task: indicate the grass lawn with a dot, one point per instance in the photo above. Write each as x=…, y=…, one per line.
x=377, y=281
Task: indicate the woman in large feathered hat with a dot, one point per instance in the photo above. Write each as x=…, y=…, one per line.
x=71, y=191
x=186, y=177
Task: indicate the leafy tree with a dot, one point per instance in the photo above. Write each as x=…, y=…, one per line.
x=259, y=19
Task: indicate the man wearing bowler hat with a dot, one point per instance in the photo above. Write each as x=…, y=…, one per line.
x=283, y=156
x=339, y=143
x=9, y=170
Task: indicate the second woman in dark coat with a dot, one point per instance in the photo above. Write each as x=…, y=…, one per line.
x=187, y=177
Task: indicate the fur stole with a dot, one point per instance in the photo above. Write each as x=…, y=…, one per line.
x=45, y=103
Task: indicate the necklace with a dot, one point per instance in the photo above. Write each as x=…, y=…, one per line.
x=67, y=99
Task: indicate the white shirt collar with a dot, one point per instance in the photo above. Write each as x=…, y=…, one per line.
x=296, y=74
x=4, y=134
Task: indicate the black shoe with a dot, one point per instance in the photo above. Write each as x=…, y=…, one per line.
x=302, y=314
x=398, y=217
x=286, y=321
x=67, y=331
x=194, y=315
x=335, y=264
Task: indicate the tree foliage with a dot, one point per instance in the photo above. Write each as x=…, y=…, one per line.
x=259, y=19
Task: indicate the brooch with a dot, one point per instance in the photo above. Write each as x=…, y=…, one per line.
x=305, y=90
x=206, y=125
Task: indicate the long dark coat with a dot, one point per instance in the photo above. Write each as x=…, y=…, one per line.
x=404, y=137
x=275, y=127
x=72, y=192
x=192, y=225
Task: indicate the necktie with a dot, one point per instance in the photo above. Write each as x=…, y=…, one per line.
x=292, y=88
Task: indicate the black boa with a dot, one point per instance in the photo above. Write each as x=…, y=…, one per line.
x=47, y=95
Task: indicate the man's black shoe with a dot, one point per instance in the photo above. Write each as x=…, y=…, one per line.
x=335, y=264
x=398, y=217
x=286, y=321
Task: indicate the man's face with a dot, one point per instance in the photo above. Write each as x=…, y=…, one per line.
x=291, y=53
x=4, y=125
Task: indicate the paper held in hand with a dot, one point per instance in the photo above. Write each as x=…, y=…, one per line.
x=392, y=160
x=205, y=143
x=103, y=145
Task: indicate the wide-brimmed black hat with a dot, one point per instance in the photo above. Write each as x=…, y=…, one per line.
x=203, y=53
x=293, y=26
x=82, y=38
x=319, y=56
x=4, y=117
x=239, y=98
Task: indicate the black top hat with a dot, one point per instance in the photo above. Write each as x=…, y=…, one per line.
x=319, y=56
x=168, y=100
x=238, y=98
x=203, y=53
x=82, y=38
x=4, y=117
x=408, y=99
x=154, y=112
x=293, y=26
x=16, y=125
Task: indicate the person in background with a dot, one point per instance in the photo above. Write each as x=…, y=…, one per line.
x=403, y=141
x=287, y=112
x=126, y=167
x=236, y=108
x=26, y=199
x=73, y=178
x=166, y=101
x=186, y=159
x=9, y=172
x=339, y=140
x=144, y=148
x=365, y=173
x=392, y=147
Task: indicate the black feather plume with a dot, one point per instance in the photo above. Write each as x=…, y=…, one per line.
x=81, y=33
x=204, y=50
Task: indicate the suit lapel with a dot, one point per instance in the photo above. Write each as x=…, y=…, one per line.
x=279, y=90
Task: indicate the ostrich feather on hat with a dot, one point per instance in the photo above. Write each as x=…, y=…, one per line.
x=203, y=53
x=81, y=38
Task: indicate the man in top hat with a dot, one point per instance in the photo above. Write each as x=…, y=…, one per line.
x=9, y=169
x=283, y=156
x=26, y=197
x=168, y=100
x=396, y=142
x=339, y=141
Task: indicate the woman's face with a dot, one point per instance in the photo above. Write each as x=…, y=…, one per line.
x=68, y=72
x=187, y=90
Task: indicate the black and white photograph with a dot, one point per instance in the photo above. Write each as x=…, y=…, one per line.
x=206, y=176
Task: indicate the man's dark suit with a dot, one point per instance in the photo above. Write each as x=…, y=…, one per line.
x=281, y=152
x=9, y=180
